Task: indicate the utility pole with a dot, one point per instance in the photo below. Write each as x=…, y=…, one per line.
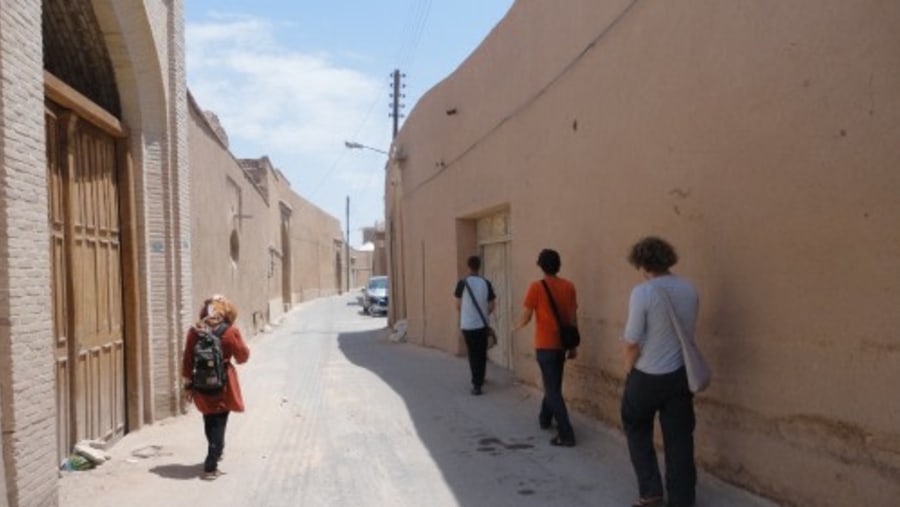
x=347, y=244
x=396, y=106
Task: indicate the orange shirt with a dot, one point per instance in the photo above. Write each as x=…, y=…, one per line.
x=546, y=330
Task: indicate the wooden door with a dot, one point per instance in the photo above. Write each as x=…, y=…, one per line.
x=87, y=275
x=493, y=240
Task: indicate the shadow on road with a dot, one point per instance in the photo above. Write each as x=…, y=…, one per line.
x=483, y=446
x=178, y=471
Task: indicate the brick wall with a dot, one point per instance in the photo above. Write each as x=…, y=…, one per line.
x=26, y=353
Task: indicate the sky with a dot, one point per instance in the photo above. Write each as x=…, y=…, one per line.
x=294, y=79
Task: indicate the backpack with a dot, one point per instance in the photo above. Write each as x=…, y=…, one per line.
x=208, y=372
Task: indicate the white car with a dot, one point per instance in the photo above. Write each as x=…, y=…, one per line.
x=375, y=295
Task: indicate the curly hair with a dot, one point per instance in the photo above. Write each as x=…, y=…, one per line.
x=653, y=254
x=214, y=310
x=549, y=261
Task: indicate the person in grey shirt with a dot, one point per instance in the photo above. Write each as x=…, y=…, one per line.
x=656, y=381
x=473, y=320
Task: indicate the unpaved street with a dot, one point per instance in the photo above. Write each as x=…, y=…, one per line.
x=337, y=415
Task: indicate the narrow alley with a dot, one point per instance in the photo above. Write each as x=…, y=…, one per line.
x=338, y=415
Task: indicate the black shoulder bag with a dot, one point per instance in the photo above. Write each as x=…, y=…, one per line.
x=491, y=335
x=568, y=333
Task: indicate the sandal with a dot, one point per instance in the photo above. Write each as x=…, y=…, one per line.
x=655, y=501
x=559, y=442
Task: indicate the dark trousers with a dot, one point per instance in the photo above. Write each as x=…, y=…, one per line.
x=553, y=406
x=214, y=427
x=476, y=343
x=667, y=394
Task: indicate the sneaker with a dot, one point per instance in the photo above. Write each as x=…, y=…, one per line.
x=476, y=391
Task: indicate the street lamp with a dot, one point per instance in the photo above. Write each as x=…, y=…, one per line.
x=359, y=146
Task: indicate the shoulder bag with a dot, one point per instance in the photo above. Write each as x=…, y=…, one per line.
x=491, y=335
x=698, y=372
x=568, y=333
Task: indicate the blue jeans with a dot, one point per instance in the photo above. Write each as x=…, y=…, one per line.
x=553, y=406
x=668, y=394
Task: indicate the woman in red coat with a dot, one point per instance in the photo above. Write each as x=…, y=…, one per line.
x=215, y=407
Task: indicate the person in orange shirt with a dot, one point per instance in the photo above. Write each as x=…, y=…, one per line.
x=215, y=407
x=549, y=351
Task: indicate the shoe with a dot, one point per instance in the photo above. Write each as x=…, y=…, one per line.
x=560, y=442
x=655, y=501
x=476, y=391
x=211, y=476
x=545, y=425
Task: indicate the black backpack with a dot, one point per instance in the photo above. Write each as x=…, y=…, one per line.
x=208, y=374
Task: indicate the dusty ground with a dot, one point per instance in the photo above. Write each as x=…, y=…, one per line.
x=337, y=415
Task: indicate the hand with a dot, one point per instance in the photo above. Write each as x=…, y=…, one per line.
x=572, y=354
x=188, y=395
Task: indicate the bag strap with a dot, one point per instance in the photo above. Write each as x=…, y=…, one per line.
x=475, y=302
x=672, y=317
x=553, y=305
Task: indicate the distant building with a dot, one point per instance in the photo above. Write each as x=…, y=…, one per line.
x=376, y=237
x=255, y=239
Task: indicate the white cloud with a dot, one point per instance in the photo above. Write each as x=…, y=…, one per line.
x=296, y=107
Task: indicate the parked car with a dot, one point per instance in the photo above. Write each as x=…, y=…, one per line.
x=375, y=295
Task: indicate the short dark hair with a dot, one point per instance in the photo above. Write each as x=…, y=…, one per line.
x=653, y=254
x=549, y=261
x=474, y=263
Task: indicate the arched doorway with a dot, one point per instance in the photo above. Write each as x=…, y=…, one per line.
x=85, y=156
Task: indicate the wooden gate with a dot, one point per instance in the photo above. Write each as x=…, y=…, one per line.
x=87, y=279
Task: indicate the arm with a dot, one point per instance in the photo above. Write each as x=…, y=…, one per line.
x=632, y=351
x=492, y=297
x=635, y=329
x=457, y=293
x=573, y=320
x=239, y=349
x=187, y=365
x=187, y=360
x=523, y=319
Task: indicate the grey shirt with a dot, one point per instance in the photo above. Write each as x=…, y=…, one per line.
x=649, y=325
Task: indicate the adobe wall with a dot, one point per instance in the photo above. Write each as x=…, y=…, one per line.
x=317, y=248
x=236, y=242
x=759, y=138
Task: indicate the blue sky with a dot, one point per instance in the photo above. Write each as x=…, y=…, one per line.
x=295, y=79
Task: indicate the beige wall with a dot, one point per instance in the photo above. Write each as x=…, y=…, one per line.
x=230, y=204
x=760, y=138
x=317, y=248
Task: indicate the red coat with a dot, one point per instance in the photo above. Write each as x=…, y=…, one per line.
x=229, y=399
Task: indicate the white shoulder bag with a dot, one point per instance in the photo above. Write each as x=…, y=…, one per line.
x=698, y=372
